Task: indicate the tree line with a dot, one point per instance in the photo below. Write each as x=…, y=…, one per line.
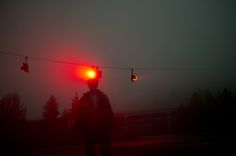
x=207, y=113
x=204, y=114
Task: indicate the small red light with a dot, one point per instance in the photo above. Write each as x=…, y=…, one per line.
x=86, y=73
x=91, y=74
x=134, y=78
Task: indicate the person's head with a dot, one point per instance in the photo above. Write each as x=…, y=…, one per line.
x=92, y=84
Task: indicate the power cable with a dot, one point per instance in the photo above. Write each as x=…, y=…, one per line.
x=103, y=66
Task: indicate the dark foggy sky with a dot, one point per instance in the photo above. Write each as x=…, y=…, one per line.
x=186, y=35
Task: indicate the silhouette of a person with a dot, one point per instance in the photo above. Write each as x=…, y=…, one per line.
x=95, y=120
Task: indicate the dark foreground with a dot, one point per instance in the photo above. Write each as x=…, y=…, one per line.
x=166, y=145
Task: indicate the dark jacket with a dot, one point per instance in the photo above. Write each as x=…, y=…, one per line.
x=99, y=118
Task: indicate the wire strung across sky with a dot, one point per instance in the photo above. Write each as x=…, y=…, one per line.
x=100, y=66
x=63, y=62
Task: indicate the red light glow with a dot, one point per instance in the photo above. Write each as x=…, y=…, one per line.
x=91, y=74
x=86, y=73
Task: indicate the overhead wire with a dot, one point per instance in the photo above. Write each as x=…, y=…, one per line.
x=101, y=66
x=63, y=62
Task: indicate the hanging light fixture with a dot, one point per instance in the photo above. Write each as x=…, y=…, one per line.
x=25, y=66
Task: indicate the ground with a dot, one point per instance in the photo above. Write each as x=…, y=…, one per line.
x=166, y=145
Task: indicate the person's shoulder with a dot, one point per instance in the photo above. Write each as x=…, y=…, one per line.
x=85, y=95
x=103, y=97
x=99, y=92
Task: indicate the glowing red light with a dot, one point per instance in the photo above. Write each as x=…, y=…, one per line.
x=91, y=74
x=86, y=73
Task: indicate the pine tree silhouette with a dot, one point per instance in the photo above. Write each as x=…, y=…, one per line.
x=12, y=122
x=75, y=103
x=12, y=111
x=73, y=111
x=51, y=109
